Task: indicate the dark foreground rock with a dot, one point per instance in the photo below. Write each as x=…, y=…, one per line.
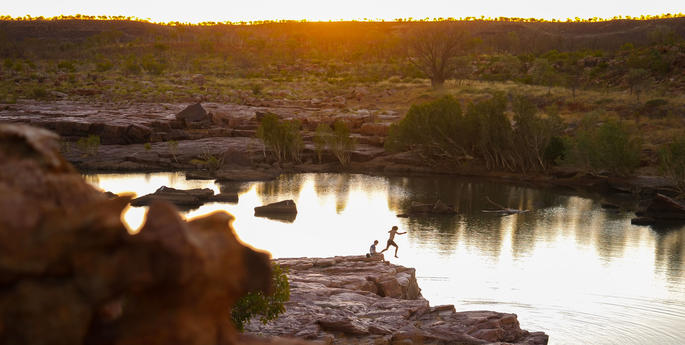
x=70, y=273
x=360, y=300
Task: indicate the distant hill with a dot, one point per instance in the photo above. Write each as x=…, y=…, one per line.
x=513, y=37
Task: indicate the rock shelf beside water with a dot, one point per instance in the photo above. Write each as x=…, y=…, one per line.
x=360, y=300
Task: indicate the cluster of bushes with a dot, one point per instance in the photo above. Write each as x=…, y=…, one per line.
x=266, y=307
x=284, y=140
x=672, y=161
x=510, y=133
x=440, y=131
x=609, y=146
x=336, y=139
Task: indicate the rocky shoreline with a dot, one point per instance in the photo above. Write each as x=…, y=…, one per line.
x=218, y=141
x=360, y=300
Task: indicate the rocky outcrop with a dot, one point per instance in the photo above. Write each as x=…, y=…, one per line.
x=70, y=273
x=360, y=300
x=186, y=199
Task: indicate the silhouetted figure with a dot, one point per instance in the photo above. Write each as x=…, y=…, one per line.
x=392, y=233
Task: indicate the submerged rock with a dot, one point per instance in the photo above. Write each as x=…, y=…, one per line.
x=360, y=300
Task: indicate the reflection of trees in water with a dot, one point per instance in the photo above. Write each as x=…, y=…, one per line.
x=523, y=232
x=286, y=186
x=437, y=231
x=469, y=197
x=610, y=240
x=670, y=252
x=337, y=185
x=397, y=193
x=93, y=179
x=235, y=187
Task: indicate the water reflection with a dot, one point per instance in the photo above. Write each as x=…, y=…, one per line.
x=568, y=267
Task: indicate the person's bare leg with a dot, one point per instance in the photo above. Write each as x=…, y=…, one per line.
x=396, y=248
x=386, y=248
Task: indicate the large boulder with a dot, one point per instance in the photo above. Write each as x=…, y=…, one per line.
x=184, y=198
x=70, y=272
x=194, y=115
x=285, y=210
x=280, y=207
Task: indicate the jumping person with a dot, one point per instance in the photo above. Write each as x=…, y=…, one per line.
x=392, y=233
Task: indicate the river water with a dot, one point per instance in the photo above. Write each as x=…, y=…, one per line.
x=568, y=267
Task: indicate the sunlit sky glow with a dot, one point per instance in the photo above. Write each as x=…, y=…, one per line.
x=314, y=10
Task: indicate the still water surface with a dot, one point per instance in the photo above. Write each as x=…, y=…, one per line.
x=580, y=273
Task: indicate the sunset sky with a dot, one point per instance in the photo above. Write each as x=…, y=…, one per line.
x=248, y=10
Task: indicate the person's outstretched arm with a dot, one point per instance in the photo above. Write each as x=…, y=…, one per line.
x=401, y=233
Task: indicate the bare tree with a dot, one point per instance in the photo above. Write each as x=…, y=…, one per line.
x=435, y=48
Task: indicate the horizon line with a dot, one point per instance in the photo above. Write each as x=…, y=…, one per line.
x=79, y=16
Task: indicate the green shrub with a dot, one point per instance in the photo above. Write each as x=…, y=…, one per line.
x=281, y=137
x=131, y=65
x=533, y=135
x=672, y=161
x=322, y=131
x=39, y=93
x=103, y=65
x=152, y=65
x=66, y=66
x=89, y=146
x=437, y=129
x=610, y=146
x=338, y=141
x=257, y=304
x=172, y=145
x=257, y=89
x=555, y=151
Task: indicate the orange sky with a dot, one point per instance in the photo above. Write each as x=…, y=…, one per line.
x=231, y=10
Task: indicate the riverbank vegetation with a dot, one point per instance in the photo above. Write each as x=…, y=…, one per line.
x=265, y=307
x=603, y=96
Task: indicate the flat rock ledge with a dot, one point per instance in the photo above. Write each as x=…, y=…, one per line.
x=360, y=300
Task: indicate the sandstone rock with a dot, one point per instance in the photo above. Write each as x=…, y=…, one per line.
x=225, y=197
x=344, y=300
x=285, y=210
x=189, y=198
x=194, y=114
x=70, y=273
x=280, y=207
